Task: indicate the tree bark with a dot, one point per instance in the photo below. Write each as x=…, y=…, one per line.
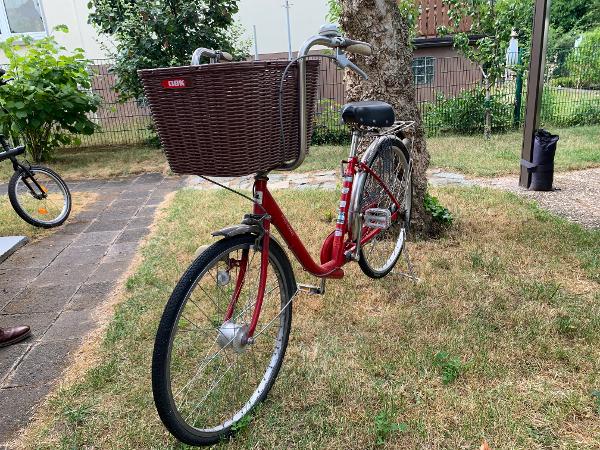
x=380, y=23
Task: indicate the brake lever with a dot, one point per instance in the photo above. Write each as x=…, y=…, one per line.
x=343, y=62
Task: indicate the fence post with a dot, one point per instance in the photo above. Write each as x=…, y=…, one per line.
x=518, y=90
x=535, y=83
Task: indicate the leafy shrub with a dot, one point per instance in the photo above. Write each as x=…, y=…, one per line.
x=327, y=125
x=440, y=213
x=150, y=33
x=48, y=101
x=585, y=113
x=583, y=64
x=465, y=114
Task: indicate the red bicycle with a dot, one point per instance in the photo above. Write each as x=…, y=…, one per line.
x=224, y=331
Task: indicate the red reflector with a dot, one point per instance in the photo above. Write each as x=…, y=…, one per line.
x=176, y=83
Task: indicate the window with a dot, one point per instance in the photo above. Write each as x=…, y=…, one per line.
x=423, y=69
x=21, y=17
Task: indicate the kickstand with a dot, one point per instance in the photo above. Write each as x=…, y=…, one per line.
x=411, y=273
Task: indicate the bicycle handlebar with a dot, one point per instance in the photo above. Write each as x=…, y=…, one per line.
x=329, y=36
x=214, y=55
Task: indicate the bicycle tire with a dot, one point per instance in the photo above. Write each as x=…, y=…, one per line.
x=173, y=315
x=15, y=200
x=390, y=153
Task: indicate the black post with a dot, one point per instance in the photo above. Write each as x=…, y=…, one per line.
x=518, y=91
x=535, y=83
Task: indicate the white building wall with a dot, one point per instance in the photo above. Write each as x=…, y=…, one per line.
x=74, y=14
x=269, y=16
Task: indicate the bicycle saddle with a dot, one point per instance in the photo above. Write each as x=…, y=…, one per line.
x=369, y=114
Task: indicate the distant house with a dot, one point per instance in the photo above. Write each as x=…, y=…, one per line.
x=37, y=18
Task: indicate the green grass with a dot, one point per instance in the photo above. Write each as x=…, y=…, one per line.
x=500, y=341
x=99, y=162
x=578, y=148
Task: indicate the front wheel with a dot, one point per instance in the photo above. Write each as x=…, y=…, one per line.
x=390, y=162
x=40, y=196
x=206, y=375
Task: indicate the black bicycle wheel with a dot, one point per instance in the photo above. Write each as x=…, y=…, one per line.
x=205, y=378
x=40, y=196
x=391, y=163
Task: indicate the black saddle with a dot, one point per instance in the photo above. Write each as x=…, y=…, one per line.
x=368, y=114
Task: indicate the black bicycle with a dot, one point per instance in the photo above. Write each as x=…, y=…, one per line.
x=37, y=194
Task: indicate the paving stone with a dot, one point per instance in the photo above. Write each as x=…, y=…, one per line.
x=150, y=178
x=11, y=276
x=140, y=222
x=65, y=275
x=74, y=227
x=123, y=251
x=109, y=271
x=90, y=295
x=77, y=256
x=37, y=256
x=42, y=365
x=133, y=235
x=22, y=400
x=134, y=196
x=108, y=225
x=95, y=238
x=147, y=211
x=38, y=322
x=71, y=324
x=9, y=356
x=37, y=299
x=121, y=212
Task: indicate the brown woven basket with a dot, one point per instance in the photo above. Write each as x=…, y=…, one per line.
x=223, y=119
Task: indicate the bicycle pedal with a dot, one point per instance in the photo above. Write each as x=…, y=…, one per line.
x=312, y=290
x=378, y=218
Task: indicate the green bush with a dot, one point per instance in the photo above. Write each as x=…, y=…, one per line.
x=583, y=64
x=585, y=113
x=327, y=125
x=48, y=102
x=465, y=114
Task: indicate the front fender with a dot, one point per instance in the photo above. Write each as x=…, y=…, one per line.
x=235, y=230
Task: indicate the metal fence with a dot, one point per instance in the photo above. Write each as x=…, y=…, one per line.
x=449, y=92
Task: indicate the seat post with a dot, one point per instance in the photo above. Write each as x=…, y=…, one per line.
x=356, y=135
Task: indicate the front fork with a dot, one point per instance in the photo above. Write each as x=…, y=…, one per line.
x=262, y=282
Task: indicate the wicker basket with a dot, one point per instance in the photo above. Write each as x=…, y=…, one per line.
x=223, y=119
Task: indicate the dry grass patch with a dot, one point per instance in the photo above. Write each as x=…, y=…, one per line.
x=11, y=224
x=100, y=162
x=577, y=149
x=499, y=341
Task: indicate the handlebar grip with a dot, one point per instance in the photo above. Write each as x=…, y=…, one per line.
x=2, y=72
x=361, y=48
x=226, y=57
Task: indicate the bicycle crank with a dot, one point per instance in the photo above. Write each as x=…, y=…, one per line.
x=233, y=336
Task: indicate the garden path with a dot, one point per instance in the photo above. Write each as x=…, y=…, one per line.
x=56, y=285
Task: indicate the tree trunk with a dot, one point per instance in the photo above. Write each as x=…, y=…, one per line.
x=380, y=23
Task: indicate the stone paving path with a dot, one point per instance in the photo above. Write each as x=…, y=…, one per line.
x=327, y=179
x=55, y=284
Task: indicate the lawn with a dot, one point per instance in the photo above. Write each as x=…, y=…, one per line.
x=500, y=341
x=577, y=148
x=472, y=155
x=100, y=162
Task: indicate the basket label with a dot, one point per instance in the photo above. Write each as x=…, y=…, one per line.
x=176, y=83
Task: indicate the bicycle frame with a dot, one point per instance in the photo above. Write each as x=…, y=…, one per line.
x=337, y=249
x=12, y=153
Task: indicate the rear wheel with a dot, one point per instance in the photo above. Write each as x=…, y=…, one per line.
x=391, y=163
x=205, y=376
x=40, y=196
